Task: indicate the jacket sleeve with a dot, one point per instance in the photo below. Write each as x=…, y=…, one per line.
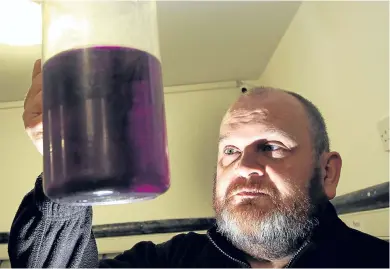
x=46, y=234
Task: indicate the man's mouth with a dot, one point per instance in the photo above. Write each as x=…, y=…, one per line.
x=249, y=193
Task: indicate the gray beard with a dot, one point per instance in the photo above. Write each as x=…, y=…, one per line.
x=278, y=234
x=275, y=237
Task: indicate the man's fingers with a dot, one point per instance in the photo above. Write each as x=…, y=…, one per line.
x=35, y=104
x=36, y=82
x=31, y=120
x=36, y=87
x=37, y=68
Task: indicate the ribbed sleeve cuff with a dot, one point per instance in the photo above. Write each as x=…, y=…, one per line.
x=53, y=209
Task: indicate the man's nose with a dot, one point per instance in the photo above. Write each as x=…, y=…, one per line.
x=250, y=165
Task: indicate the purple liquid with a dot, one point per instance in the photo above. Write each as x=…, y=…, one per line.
x=104, y=126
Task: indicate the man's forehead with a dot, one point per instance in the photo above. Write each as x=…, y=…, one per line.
x=237, y=115
x=251, y=132
x=258, y=110
x=272, y=112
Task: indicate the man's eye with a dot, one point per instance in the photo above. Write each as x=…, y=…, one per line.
x=230, y=151
x=269, y=147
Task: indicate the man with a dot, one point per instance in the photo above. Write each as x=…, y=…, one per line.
x=275, y=176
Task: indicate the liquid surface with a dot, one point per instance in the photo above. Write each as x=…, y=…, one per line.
x=104, y=126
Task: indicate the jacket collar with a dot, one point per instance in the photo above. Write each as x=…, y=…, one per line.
x=329, y=226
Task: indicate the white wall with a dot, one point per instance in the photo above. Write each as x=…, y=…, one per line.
x=336, y=55
x=193, y=119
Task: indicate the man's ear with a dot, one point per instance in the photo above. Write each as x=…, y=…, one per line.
x=331, y=170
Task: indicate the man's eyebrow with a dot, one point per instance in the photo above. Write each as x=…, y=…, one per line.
x=279, y=132
x=222, y=137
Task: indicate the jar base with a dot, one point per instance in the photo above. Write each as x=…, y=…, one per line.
x=99, y=192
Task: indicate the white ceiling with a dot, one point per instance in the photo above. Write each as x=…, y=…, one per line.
x=201, y=42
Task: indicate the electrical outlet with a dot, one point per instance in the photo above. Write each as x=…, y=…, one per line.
x=384, y=132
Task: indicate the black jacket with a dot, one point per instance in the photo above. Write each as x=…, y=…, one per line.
x=45, y=234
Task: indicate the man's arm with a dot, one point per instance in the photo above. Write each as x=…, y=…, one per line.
x=46, y=234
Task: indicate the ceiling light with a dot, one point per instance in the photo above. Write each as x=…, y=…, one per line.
x=20, y=23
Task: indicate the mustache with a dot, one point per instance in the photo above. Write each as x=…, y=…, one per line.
x=253, y=185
